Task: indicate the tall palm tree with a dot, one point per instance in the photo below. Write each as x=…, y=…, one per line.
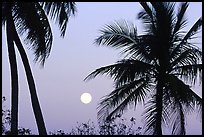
x=157, y=68
x=30, y=18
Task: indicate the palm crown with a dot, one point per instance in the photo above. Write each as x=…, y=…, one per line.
x=31, y=20
x=157, y=67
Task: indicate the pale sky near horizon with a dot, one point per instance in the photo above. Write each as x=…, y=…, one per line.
x=60, y=83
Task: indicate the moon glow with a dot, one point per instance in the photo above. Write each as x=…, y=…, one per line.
x=86, y=98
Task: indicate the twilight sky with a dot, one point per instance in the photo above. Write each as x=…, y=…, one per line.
x=60, y=83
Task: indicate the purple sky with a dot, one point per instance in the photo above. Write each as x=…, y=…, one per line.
x=60, y=83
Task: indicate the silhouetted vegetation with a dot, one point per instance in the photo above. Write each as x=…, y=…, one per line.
x=119, y=126
x=158, y=68
x=6, y=122
x=122, y=127
x=6, y=118
x=115, y=128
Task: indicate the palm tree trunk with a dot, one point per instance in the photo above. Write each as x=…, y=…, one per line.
x=183, y=130
x=14, y=77
x=31, y=83
x=159, y=96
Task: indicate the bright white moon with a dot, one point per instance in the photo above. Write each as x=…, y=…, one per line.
x=86, y=98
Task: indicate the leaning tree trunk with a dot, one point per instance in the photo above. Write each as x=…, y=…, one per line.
x=14, y=77
x=31, y=83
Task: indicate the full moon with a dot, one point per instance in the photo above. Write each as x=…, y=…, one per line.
x=86, y=98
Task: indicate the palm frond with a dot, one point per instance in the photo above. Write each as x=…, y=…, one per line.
x=131, y=70
x=31, y=20
x=123, y=35
x=123, y=71
x=182, y=93
x=118, y=101
x=116, y=96
x=118, y=34
x=60, y=12
x=148, y=11
x=187, y=57
x=194, y=30
x=189, y=49
x=175, y=111
x=146, y=49
x=149, y=115
x=189, y=73
x=168, y=103
x=179, y=100
x=178, y=121
x=181, y=20
x=148, y=18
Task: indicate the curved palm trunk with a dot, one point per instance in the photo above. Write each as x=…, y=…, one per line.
x=159, y=107
x=31, y=83
x=14, y=77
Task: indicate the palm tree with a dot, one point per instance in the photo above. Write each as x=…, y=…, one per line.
x=30, y=18
x=157, y=68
